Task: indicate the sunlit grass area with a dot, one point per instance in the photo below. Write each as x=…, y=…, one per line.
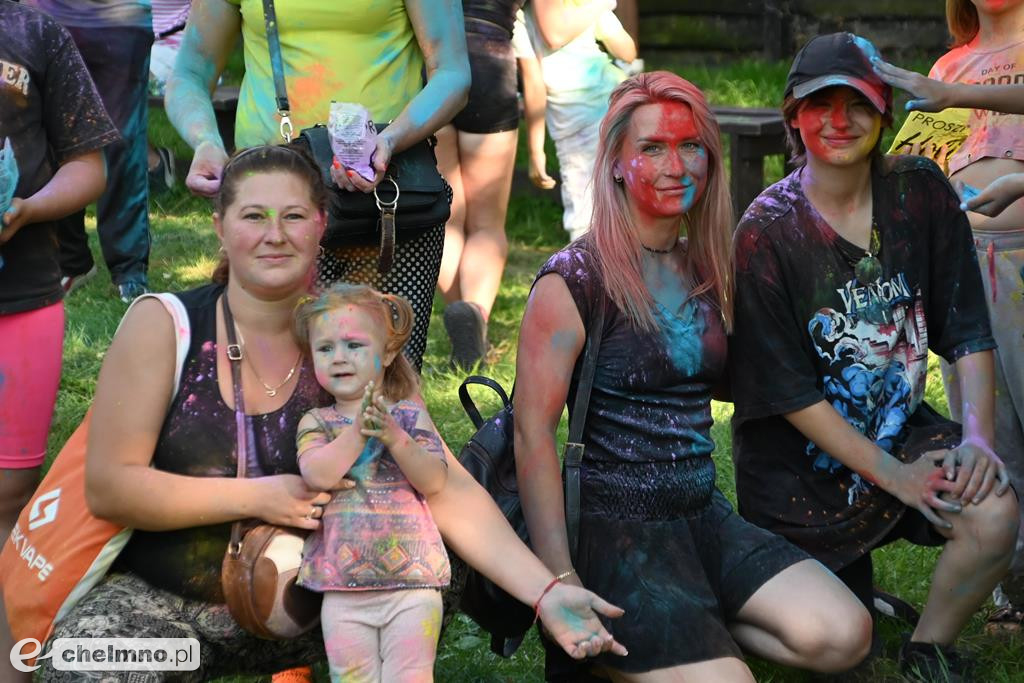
x=184, y=253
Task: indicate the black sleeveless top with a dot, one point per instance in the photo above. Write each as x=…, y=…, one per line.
x=648, y=427
x=198, y=439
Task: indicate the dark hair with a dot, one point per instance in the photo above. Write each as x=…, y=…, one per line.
x=797, y=150
x=290, y=158
x=391, y=311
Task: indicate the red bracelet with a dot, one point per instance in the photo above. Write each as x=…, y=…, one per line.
x=547, y=589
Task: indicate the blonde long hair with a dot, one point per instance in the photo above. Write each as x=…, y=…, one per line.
x=619, y=253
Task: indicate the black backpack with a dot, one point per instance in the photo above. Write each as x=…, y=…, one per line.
x=490, y=459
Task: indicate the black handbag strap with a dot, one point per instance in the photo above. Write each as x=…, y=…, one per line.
x=235, y=352
x=467, y=401
x=574, y=448
x=277, y=67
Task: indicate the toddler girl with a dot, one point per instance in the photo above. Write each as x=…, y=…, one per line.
x=988, y=49
x=378, y=557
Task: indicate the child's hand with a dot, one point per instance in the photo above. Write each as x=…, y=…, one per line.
x=14, y=218
x=539, y=172
x=378, y=422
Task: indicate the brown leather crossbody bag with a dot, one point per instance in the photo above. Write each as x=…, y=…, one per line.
x=262, y=560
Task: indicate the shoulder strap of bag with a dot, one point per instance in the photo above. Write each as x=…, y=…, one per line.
x=277, y=67
x=573, y=454
x=235, y=353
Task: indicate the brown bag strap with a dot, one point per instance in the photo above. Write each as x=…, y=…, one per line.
x=235, y=352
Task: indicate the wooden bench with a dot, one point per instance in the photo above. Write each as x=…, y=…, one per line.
x=753, y=135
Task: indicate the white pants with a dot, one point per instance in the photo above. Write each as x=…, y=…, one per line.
x=381, y=636
x=576, y=155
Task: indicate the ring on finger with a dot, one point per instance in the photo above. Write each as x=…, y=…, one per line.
x=311, y=513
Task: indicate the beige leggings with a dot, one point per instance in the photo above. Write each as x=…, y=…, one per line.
x=1001, y=257
x=381, y=636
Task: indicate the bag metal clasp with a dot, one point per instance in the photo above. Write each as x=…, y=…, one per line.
x=384, y=206
x=234, y=352
x=286, y=125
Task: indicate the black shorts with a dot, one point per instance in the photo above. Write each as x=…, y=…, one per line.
x=493, y=104
x=913, y=527
x=680, y=581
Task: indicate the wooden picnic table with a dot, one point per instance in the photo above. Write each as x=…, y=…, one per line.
x=753, y=135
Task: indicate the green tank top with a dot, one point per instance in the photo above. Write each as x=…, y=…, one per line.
x=347, y=51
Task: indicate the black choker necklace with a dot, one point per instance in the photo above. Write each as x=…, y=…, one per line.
x=659, y=251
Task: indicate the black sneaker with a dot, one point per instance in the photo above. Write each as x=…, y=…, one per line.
x=467, y=331
x=161, y=177
x=933, y=663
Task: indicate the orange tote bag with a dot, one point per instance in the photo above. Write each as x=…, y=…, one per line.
x=57, y=549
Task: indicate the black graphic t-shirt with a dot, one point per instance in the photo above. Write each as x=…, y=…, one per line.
x=807, y=330
x=50, y=110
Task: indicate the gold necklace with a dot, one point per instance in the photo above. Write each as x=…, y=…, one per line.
x=269, y=390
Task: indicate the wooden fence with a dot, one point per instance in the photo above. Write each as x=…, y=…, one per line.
x=710, y=30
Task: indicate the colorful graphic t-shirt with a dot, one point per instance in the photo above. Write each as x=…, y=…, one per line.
x=364, y=52
x=648, y=427
x=807, y=330
x=50, y=110
x=199, y=439
x=993, y=134
x=379, y=535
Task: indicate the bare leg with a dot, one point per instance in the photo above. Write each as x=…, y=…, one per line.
x=16, y=488
x=806, y=618
x=975, y=558
x=726, y=670
x=486, y=162
x=454, y=233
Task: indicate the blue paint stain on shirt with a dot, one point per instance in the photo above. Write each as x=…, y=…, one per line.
x=683, y=335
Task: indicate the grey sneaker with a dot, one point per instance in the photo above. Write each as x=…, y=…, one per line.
x=467, y=331
x=129, y=291
x=70, y=283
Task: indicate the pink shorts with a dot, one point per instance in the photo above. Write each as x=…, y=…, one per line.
x=31, y=344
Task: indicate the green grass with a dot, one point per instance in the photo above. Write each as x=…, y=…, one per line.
x=183, y=254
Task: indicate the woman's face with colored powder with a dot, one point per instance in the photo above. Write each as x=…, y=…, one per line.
x=347, y=345
x=271, y=231
x=838, y=125
x=663, y=163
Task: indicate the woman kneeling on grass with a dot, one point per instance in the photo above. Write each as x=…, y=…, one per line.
x=849, y=271
x=166, y=467
x=699, y=584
